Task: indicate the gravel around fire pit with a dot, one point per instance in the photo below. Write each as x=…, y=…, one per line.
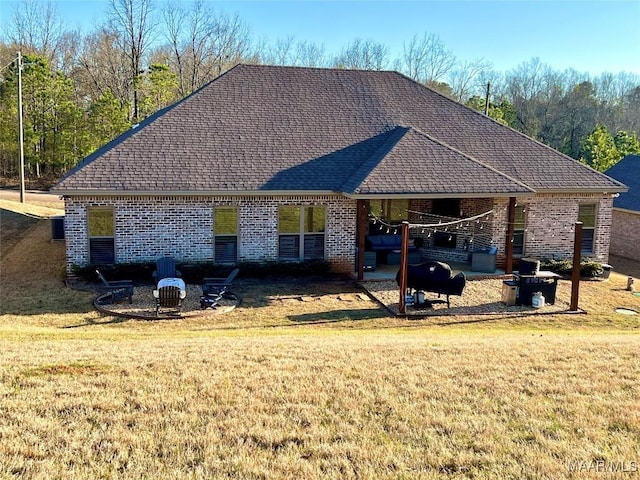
x=144, y=305
x=481, y=296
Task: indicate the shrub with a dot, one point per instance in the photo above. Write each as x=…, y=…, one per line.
x=589, y=268
x=195, y=272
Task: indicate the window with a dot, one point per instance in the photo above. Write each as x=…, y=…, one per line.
x=518, y=230
x=225, y=234
x=301, y=233
x=101, y=227
x=587, y=215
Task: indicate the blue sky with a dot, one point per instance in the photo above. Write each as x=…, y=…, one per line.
x=589, y=36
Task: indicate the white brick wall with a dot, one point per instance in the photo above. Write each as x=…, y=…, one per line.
x=150, y=227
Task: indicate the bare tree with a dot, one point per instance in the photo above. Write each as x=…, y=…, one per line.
x=464, y=80
x=525, y=86
x=132, y=20
x=282, y=51
x=102, y=66
x=309, y=54
x=426, y=59
x=288, y=51
x=37, y=28
x=363, y=55
x=203, y=44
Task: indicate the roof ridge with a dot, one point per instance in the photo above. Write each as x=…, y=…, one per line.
x=302, y=67
x=469, y=157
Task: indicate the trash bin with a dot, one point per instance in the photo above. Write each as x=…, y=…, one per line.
x=509, y=290
x=606, y=271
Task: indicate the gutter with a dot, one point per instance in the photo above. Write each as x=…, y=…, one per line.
x=603, y=191
x=626, y=210
x=189, y=193
x=371, y=196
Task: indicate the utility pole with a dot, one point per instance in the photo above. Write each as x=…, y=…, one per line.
x=486, y=100
x=22, y=199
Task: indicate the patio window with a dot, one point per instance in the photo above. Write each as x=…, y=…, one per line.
x=518, y=230
x=587, y=215
x=101, y=228
x=225, y=234
x=301, y=233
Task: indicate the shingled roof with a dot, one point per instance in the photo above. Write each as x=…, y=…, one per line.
x=266, y=130
x=627, y=171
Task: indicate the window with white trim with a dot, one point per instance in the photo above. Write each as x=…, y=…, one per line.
x=225, y=234
x=101, y=228
x=301, y=233
x=587, y=215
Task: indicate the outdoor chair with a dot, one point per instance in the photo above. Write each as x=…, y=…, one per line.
x=165, y=268
x=212, y=285
x=170, y=294
x=119, y=289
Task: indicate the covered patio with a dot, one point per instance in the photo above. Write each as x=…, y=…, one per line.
x=478, y=236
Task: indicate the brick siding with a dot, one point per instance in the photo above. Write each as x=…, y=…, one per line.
x=150, y=227
x=625, y=234
x=549, y=227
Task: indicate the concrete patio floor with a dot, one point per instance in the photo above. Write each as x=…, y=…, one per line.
x=388, y=272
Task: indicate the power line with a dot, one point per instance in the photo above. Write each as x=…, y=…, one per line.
x=7, y=65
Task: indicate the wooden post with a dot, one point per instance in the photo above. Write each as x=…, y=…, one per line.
x=361, y=220
x=404, y=257
x=508, y=243
x=575, y=272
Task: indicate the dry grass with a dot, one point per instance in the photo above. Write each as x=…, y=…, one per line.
x=306, y=381
x=298, y=405
x=36, y=207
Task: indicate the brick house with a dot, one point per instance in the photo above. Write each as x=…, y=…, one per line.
x=625, y=222
x=268, y=163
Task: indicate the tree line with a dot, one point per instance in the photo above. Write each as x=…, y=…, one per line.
x=80, y=90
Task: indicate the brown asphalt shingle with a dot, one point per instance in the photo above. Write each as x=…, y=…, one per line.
x=260, y=128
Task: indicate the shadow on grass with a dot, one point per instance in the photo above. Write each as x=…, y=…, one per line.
x=334, y=316
x=91, y=322
x=45, y=303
